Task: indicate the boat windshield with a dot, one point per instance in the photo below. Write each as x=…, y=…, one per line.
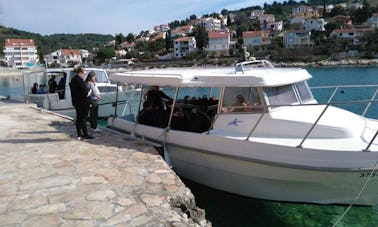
x=288, y=94
x=101, y=76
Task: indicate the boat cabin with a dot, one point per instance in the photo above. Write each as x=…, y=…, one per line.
x=200, y=97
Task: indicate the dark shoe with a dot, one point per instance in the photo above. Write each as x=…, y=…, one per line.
x=88, y=137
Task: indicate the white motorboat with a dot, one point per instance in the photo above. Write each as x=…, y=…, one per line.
x=280, y=144
x=60, y=100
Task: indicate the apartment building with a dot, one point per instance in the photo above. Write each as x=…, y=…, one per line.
x=183, y=46
x=297, y=38
x=20, y=53
x=219, y=42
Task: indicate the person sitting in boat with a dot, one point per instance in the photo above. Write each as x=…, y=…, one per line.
x=52, y=84
x=62, y=86
x=199, y=121
x=34, y=88
x=147, y=116
x=239, y=102
x=41, y=89
x=179, y=120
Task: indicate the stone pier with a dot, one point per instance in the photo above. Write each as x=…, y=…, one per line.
x=48, y=178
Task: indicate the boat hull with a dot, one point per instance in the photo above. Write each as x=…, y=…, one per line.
x=266, y=171
x=271, y=182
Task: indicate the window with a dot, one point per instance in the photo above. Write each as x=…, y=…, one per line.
x=100, y=77
x=241, y=99
x=304, y=91
x=283, y=95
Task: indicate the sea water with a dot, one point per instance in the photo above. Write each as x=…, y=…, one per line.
x=225, y=209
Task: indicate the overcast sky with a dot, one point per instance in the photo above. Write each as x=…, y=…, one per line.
x=106, y=16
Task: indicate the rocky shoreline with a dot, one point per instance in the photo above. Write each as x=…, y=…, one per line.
x=344, y=62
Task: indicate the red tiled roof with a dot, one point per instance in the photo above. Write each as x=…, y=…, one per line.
x=349, y=30
x=19, y=42
x=183, y=39
x=251, y=34
x=218, y=34
x=67, y=52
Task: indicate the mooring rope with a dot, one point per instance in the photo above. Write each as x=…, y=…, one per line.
x=357, y=196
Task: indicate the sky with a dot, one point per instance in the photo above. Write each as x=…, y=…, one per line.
x=112, y=17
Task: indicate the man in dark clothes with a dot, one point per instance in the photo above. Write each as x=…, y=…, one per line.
x=81, y=102
x=52, y=84
x=157, y=99
x=147, y=116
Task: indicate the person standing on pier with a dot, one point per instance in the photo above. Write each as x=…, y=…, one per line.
x=81, y=101
x=95, y=97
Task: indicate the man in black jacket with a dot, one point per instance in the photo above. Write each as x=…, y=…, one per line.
x=80, y=100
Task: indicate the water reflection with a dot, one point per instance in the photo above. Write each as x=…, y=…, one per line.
x=226, y=209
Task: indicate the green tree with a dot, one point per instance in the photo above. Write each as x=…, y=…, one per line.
x=104, y=54
x=130, y=38
x=201, y=37
x=360, y=16
x=329, y=27
x=119, y=38
x=193, y=17
x=157, y=46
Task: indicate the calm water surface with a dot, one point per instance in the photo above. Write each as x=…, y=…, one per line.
x=225, y=209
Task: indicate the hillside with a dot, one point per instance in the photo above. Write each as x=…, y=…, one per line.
x=50, y=43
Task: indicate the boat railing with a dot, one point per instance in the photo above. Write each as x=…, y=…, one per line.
x=337, y=88
x=326, y=106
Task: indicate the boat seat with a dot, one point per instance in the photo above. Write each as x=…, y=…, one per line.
x=53, y=97
x=128, y=117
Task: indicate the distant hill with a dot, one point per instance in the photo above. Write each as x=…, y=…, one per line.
x=50, y=43
x=373, y=3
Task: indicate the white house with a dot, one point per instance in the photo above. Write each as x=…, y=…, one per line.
x=84, y=53
x=256, y=38
x=183, y=46
x=314, y=24
x=276, y=26
x=20, y=52
x=219, y=42
x=64, y=57
x=161, y=28
x=210, y=23
x=255, y=13
x=373, y=21
x=297, y=38
x=301, y=9
x=297, y=20
x=352, y=34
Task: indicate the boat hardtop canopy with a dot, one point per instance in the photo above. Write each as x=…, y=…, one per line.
x=214, y=77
